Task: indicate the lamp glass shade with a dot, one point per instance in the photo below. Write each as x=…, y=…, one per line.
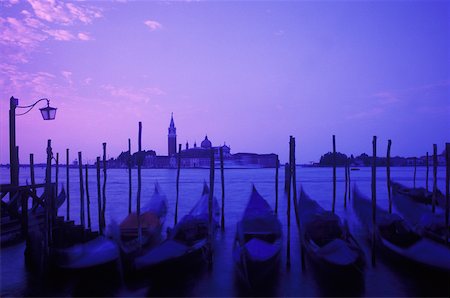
x=48, y=113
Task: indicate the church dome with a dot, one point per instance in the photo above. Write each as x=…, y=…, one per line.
x=206, y=143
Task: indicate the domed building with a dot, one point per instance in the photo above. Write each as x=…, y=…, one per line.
x=206, y=144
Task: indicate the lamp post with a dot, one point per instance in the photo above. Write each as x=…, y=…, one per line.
x=48, y=113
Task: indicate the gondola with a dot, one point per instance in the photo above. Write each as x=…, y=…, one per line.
x=187, y=244
x=415, y=209
x=394, y=236
x=419, y=194
x=152, y=219
x=257, y=245
x=326, y=240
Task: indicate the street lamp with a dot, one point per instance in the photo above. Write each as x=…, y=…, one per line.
x=48, y=113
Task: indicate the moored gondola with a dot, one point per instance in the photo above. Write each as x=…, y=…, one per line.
x=413, y=204
x=257, y=245
x=326, y=240
x=187, y=244
x=394, y=236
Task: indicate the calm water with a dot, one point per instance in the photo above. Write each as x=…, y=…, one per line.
x=388, y=278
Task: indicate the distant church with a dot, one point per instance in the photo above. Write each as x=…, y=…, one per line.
x=172, y=138
x=194, y=156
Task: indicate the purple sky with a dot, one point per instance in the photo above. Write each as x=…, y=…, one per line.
x=246, y=73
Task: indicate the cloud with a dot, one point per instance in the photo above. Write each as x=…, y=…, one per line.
x=153, y=25
x=22, y=34
x=370, y=113
x=67, y=75
x=386, y=98
x=84, y=36
x=13, y=32
x=59, y=12
x=136, y=95
x=60, y=34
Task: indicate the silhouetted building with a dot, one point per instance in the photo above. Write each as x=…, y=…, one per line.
x=172, y=138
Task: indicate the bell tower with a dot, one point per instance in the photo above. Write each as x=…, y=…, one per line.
x=172, y=138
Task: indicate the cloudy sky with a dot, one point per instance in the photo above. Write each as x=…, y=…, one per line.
x=246, y=73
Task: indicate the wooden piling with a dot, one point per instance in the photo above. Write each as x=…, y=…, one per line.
x=57, y=173
x=139, y=186
x=67, y=185
x=415, y=170
x=388, y=174
x=447, y=186
x=427, y=173
x=130, y=191
x=447, y=190
x=294, y=173
x=277, y=166
x=346, y=183
x=287, y=176
x=104, y=189
x=288, y=217
x=88, y=199
x=210, y=204
x=33, y=180
x=435, y=164
x=80, y=168
x=222, y=176
x=48, y=189
x=178, y=182
x=349, y=182
x=334, y=175
x=374, y=196
x=99, y=198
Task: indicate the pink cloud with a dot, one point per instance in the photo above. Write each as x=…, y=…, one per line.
x=64, y=13
x=153, y=25
x=136, y=95
x=14, y=32
x=84, y=36
x=60, y=34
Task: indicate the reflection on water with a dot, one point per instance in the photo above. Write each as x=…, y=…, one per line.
x=390, y=277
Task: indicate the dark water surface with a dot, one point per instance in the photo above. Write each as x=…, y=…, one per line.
x=389, y=277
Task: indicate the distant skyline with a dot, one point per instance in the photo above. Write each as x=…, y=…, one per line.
x=246, y=73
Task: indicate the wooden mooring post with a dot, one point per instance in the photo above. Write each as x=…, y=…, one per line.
x=57, y=173
x=277, y=166
x=288, y=245
x=210, y=205
x=447, y=187
x=435, y=164
x=287, y=176
x=139, y=186
x=427, y=172
x=130, y=190
x=67, y=185
x=333, y=208
x=48, y=203
x=104, y=189
x=349, y=182
x=346, y=183
x=222, y=179
x=80, y=168
x=388, y=174
x=178, y=182
x=33, y=180
x=374, y=196
x=88, y=199
x=415, y=171
x=99, y=197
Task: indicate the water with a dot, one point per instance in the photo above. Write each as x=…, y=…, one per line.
x=388, y=278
